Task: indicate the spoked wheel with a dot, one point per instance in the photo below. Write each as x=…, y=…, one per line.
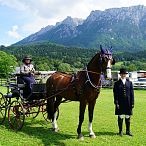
x=45, y=114
x=16, y=115
x=7, y=100
x=32, y=110
x=3, y=108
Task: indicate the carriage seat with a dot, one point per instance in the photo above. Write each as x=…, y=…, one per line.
x=39, y=88
x=8, y=96
x=20, y=82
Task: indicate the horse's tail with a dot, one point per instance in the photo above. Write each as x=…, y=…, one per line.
x=50, y=108
x=51, y=99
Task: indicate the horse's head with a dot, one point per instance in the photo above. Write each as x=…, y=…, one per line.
x=106, y=61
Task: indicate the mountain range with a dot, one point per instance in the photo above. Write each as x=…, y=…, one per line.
x=123, y=28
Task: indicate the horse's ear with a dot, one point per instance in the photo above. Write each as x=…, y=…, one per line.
x=102, y=51
x=111, y=49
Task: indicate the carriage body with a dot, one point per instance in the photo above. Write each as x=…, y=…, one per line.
x=18, y=107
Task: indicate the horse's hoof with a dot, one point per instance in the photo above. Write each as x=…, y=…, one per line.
x=80, y=137
x=55, y=129
x=92, y=136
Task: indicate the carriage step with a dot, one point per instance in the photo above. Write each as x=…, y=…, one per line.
x=8, y=95
x=38, y=92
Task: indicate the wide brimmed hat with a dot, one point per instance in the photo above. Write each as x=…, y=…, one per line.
x=123, y=71
x=27, y=58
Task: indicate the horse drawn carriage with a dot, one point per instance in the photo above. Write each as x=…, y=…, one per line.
x=17, y=106
x=83, y=87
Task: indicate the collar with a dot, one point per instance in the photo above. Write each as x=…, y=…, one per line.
x=123, y=80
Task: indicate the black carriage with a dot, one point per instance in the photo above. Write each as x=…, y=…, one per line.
x=17, y=106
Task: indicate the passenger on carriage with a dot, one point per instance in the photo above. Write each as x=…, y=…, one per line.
x=27, y=72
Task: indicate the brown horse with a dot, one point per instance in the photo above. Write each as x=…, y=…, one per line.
x=84, y=87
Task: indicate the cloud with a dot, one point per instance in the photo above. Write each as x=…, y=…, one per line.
x=36, y=25
x=49, y=9
x=15, y=4
x=52, y=8
x=13, y=33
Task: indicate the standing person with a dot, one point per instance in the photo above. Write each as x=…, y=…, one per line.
x=27, y=73
x=124, y=101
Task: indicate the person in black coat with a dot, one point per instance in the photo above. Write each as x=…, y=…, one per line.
x=124, y=101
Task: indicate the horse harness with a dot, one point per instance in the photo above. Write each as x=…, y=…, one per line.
x=78, y=92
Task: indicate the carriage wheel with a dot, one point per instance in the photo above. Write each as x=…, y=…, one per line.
x=3, y=108
x=8, y=100
x=16, y=115
x=45, y=114
x=32, y=110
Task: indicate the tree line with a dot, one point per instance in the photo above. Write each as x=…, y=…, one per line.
x=48, y=56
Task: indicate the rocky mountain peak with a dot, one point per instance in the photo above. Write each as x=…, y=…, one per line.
x=45, y=29
x=133, y=13
x=71, y=21
x=123, y=27
x=94, y=15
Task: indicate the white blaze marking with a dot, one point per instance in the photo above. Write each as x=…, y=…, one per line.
x=108, y=70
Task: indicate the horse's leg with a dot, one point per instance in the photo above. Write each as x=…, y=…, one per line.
x=81, y=119
x=90, y=113
x=54, y=120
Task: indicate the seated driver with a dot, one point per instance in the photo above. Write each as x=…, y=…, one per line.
x=27, y=73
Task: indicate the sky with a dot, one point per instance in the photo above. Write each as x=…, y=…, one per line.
x=21, y=18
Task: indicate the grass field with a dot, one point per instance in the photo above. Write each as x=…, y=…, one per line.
x=37, y=132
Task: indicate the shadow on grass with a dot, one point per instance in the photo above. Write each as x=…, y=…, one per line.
x=47, y=136
x=107, y=133
x=39, y=130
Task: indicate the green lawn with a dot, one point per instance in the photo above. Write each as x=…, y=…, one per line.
x=38, y=133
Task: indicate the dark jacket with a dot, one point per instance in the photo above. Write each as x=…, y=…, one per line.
x=124, y=97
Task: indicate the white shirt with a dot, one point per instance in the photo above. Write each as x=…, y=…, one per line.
x=123, y=80
x=25, y=69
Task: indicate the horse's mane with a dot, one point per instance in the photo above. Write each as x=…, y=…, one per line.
x=93, y=58
x=67, y=74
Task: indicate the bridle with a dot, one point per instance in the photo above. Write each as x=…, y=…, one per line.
x=105, y=55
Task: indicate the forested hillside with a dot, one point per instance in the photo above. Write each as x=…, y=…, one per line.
x=48, y=56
